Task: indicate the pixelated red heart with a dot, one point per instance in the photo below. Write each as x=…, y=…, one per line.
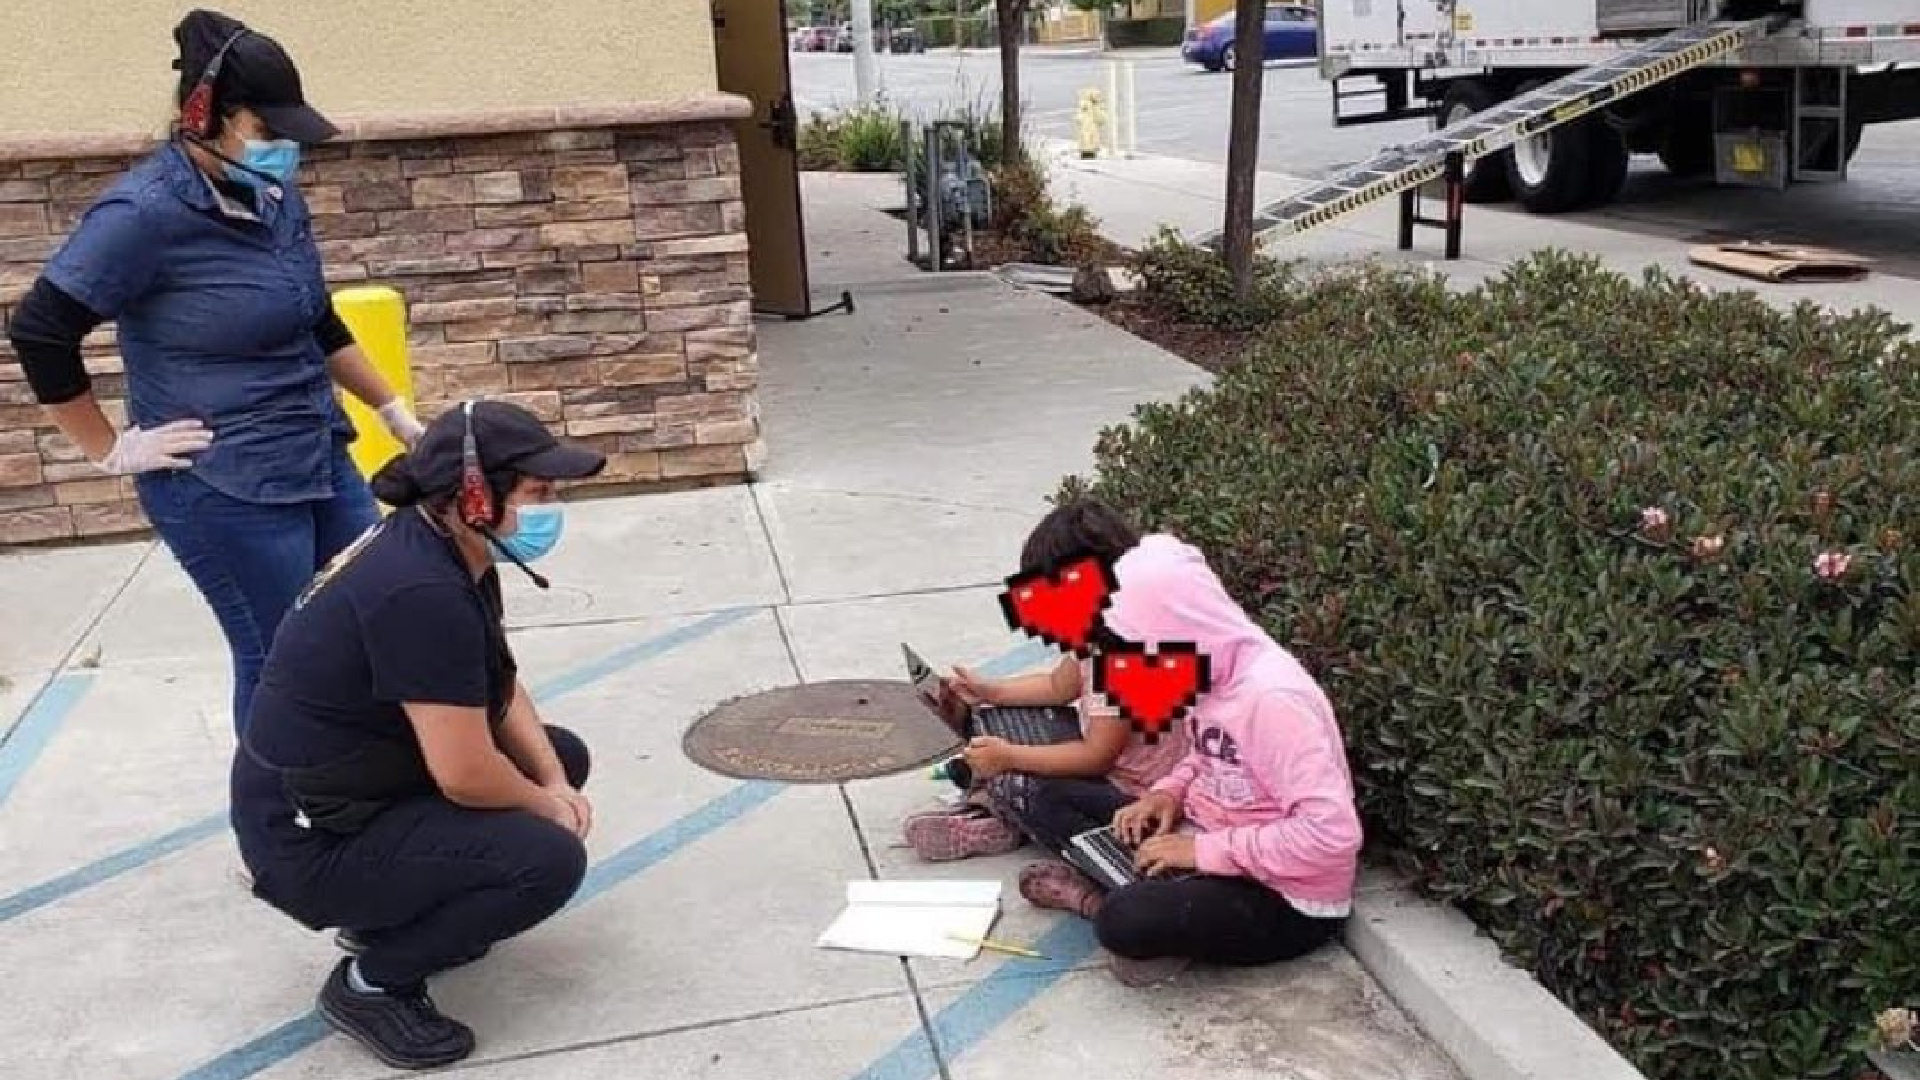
x=1062, y=608
x=1152, y=688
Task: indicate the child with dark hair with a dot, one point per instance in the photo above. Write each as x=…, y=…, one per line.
x=1250, y=847
x=1110, y=761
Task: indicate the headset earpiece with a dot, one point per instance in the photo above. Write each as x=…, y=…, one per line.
x=196, y=112
x=476, y=500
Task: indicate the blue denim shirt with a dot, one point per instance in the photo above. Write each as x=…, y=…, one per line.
x=215, y=309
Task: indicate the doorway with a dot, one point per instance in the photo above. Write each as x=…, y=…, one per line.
x=750, y=50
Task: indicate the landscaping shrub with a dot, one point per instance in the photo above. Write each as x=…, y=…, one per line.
x=1025, y=213
x=857, y=140
x=1159, y=31
x=1614, y=584
x=1191, y=285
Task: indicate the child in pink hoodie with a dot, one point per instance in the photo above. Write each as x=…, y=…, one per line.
x=1110, y=764
x=1250, y=845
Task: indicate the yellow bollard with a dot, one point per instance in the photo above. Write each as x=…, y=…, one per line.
x=1092, y=117
x=377, y=315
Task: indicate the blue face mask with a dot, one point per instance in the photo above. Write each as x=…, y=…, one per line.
x=536, y=533
x=279, y=159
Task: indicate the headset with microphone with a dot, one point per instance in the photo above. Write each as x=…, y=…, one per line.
x=198, y=119
x=477, y=510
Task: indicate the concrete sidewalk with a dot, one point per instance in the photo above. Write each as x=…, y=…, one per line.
x=911, y=445
x=1133, y=197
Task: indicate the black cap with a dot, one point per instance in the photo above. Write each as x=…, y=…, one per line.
x=256, y=73
x=507, y=437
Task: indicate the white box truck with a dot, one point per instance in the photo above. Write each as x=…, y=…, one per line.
x=1787, y=106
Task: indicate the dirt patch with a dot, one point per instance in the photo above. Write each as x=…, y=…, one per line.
x=1214, y=350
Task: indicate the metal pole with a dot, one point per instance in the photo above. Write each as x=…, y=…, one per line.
x=1133, y=115
x=1456, y=201
x=913, y=228
x=1113, y=106
x=863, y=51
x=935, y=214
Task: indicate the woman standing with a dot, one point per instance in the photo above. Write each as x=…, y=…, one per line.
x=203, y=255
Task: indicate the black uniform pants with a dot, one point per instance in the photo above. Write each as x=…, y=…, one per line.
x=1204, y=917
x=428, y=885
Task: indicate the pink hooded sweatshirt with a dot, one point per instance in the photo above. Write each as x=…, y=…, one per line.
x=1266, y=779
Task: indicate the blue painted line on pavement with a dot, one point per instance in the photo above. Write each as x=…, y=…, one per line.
x=264, y=1052
x=47, y=892
x=973, y=1016
x=294, y=1036
x=133, y=858
x=21, y=745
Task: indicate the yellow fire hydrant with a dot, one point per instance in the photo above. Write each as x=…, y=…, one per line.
x=1092, y=117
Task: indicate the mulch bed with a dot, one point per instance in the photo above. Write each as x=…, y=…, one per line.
x=1214, y=350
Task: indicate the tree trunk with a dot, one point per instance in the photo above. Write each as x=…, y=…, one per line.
x=1243, y=141
x=1008, y=15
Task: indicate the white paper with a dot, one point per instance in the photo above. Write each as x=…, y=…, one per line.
x=915, y=918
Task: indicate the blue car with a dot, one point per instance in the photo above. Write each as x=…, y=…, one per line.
x=1293, y=32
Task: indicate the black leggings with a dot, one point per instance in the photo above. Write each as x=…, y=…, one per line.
x=429, y=884
x=1215, y=920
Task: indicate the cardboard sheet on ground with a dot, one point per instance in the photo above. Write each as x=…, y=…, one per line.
x=943, y=919
x=1782, y=262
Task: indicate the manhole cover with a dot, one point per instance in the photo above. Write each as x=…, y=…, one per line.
x=820, y=733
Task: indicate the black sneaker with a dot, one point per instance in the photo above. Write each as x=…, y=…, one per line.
x=350, y=943
x=402, y=1026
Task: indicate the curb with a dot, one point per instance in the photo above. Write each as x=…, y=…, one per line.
x=1493, y=1019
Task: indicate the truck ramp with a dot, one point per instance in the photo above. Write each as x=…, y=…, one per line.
x=1398, y=169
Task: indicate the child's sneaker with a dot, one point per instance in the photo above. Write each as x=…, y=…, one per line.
x=960, y=833
x=1059, y=886
x=1146, y=972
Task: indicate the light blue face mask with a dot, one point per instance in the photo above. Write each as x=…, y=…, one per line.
x=279, y=159
x=536, y=533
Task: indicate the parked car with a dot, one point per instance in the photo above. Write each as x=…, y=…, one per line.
x=814, y=39
x=1293, y=32
x=907, y=39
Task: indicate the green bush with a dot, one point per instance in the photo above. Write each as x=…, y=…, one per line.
x=1026, y=214
x=1614, y=584
x=1192, y=285
x=861, y=139
x=1140, y=33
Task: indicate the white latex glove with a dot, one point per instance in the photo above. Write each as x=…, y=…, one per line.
x=138, y=451
x=401, y=422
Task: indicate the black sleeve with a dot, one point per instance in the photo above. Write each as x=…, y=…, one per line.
x=427, y=644
x=331, y=332
x=46, y=332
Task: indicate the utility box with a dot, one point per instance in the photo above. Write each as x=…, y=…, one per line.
x=1651, y=16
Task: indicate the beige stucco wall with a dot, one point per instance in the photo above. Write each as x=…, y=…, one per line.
x=102, y=66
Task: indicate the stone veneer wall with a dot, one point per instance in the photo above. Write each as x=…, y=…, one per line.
x=589, y=265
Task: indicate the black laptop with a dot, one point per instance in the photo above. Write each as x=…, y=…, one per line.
x=1028, y=725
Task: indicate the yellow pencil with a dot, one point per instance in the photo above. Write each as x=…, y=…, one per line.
x=996, y=946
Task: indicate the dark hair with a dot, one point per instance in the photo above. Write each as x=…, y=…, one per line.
x=1083, y=526
x=396, y=485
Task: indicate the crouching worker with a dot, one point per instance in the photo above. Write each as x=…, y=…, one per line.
x=396, y=781
x=1250, y=846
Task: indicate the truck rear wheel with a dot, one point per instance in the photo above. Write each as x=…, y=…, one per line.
x=1551, y=172
x=1487, y=177
x=1610, y=160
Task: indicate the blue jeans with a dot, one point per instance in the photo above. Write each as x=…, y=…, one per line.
x=251, y=560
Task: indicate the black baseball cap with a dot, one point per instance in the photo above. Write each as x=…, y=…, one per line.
x=506, y=436
x=256, y=73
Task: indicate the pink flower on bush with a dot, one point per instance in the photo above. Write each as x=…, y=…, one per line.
x=1655, y=523
x=1832, y=565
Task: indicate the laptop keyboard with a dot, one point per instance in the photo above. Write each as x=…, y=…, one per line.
x=1027, y=726
x=1102, y=855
